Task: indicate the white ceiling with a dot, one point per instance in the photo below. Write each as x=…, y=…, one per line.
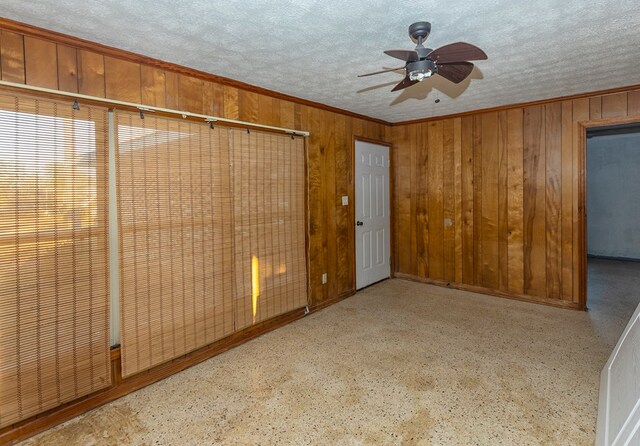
x=314, y=49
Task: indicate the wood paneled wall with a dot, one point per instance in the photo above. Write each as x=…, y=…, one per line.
x=58, y=64
x=486, y=201
x=491, y=201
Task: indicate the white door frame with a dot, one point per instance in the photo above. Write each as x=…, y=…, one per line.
x=388, y=205
x=583, y=126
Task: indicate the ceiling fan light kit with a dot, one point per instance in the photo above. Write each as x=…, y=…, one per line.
x=422, y=69
x=449, y=61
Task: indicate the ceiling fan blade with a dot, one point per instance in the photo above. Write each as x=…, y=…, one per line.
x=383, y=71
x=404, y=83
x=455, y=72
x=406, y=55
x=457, y=52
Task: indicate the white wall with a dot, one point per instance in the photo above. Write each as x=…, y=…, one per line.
x=613, y=195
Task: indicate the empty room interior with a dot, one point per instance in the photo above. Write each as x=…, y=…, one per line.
x=307, y=222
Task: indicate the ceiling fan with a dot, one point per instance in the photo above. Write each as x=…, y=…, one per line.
x=449, y=61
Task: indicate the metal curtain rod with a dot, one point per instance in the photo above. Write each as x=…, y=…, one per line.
x=144, y=108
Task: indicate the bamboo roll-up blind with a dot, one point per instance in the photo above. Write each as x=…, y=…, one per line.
x=269, y=219
x=176, y=236
x=54, y=303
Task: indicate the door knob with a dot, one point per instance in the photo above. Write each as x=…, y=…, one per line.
x=359, y=223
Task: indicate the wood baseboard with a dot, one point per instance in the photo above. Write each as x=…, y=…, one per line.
x=327, y=303
x=491, y=292
x=123, y=386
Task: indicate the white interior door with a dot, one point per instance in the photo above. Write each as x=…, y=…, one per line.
x=373, y=224
x=619, y=406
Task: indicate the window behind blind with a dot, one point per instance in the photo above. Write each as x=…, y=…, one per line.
x=176, y=236
x=270, y=228
x=54, y=307
x=212, y=233
x=211, y=241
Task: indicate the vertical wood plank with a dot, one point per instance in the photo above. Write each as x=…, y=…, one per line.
x=633, y=103
x=489, y=221
x=378, y=129
x=231, y=109
x=41, y=63
x=503, y=206
x=388, y=133
x=350, y=210
x=248, y=106
x=477, y=200
x=358, y=127
x=413, y=219
x=457, y=182
x=191, y=94
x=448, y=192
x=595, y=108
x=266, y=113
x=567, y=201
x=324, y=196
x=122, y=80
x=435, y=227
x=553, y=197
x=515, y=200
x=152, y=86
x=311, y=117
x=67, y=68
x=172, y=90
x=371, y=130
x=422, y=200
x=276, y=112
x=344, y=227
x=213, y=99
x=581, y=112
x=287, y=118
x=12, y=57
x=330, y=202
x=614, y=105
x=534, y=202
x=402, y=189
x=297, y=116
x=91, y=73
x=208, y=102
x=467, y=191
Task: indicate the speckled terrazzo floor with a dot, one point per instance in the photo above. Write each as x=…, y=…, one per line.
x=399, y=363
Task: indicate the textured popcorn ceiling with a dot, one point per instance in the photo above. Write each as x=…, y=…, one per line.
x=314, y=49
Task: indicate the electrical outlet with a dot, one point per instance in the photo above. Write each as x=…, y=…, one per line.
x=324, y=278
x=345, y=200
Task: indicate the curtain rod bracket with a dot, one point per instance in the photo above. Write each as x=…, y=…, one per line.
x=210, y=121
x=144, y=110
